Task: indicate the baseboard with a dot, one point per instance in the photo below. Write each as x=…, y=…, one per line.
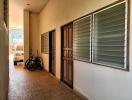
x=57, y=79
x=80, y=94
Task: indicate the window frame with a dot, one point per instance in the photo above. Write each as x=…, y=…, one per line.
x=127, y=31
x=42, y=43
x=90, y=47
x=45, y=44
x=126, y=36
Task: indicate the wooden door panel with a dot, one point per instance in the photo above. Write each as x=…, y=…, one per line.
x=70, y=37
x=65, y=39
x=67, y=54
x=65, y=70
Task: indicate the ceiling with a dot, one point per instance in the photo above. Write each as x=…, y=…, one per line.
x=32, y=5
x=16, y=8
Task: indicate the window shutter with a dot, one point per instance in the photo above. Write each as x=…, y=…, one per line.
x=109, y=39
x=82, y=39
x=42, y=43
x=45, y=43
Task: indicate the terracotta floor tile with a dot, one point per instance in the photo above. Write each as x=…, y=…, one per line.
x=36, y=85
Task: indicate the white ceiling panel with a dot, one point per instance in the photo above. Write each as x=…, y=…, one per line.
x=16, y=8
x=34, y=5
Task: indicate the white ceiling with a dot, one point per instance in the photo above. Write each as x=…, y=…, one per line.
x=35, y=5
x=16, y=8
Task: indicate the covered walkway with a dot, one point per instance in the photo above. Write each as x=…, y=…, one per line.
x=37, y=85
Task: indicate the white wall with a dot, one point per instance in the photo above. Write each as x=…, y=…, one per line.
x=94, y=81
x=4, y=61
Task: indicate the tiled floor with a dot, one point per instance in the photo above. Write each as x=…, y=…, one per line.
x=37, y=85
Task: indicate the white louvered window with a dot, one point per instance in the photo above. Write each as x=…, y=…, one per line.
x=110, y=36
x=102, y=37
x=45, y=43
x=42, y=43
x=81, y=39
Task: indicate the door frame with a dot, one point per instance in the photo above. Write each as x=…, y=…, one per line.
x=50, y=56
x=62, y=62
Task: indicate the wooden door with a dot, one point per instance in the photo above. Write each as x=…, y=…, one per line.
x=67, y=54
x=52, y=52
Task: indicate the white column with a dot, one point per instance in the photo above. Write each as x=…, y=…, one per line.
x=26, y=35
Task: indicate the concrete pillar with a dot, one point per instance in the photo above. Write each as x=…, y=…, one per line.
x=4, y=61
x=26, y=35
